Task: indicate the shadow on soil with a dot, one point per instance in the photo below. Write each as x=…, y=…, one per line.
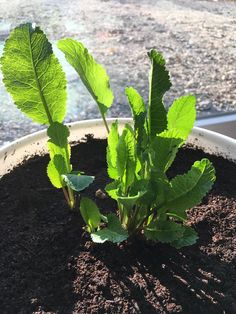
x=162, y=279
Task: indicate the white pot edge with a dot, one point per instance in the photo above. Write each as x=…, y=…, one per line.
x=35, y=143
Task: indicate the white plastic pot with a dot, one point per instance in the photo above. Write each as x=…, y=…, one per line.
x=33, y=144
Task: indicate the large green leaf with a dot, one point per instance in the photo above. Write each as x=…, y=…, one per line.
x=159, y=84
x=165, y=231
x=112, y=142
x=121, y=154
x=92, y=74
x=136, y=101
x=188, y=189
x=77, y=182
x=158, y=189
x=33, y=76
x=139, y=115
x=126, y=156
x=90, y=213
x=189, y=237
x=182, y=115
x=165, y=147
x=113, y=233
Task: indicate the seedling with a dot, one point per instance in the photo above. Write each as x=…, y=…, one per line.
x=139, y=157
x=35, y=79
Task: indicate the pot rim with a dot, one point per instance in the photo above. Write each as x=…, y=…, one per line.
x=91, y=122
x=34, y=143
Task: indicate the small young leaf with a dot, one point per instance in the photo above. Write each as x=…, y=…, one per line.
x=189, y=237
x=58, y=133
x=136, y=102
x=182, y=114
x=33, y=76
x=91, y=73
x=77, y=182
x=188, y=190
x=113, y=233
x=112, y=142
x=121, y=154
x=126, y=156
x=64, y=152
x=159, y=84
x=142, y=187
x=90, y=213
x=159, y=186
x=139, y=115
x=56, y=168
x=112, y=189
x=165, y=146
x=165, y=231
x=129, y=201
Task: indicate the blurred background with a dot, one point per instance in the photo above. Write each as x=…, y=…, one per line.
x=197, y=38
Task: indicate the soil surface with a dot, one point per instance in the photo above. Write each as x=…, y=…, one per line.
x=48, y=264
x=197, y=38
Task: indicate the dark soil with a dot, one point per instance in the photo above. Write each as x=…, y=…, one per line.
x=49, y=265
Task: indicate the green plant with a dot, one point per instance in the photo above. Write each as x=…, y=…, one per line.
x=139, y=157
x=35, y=79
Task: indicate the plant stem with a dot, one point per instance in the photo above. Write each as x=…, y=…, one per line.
x=132, y=223
x=72, y=198
x=66, y=195
x=105, y=123
x=70, y=191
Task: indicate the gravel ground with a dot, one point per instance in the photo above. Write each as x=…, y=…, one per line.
x=197, y=39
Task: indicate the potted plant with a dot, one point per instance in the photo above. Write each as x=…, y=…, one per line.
x=52, y=264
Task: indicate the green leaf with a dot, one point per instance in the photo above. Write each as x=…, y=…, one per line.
x=59, y=134
x=182, y=115
x=112, y=142
x=90, y=213
x=121, y=154
x=188, y=190
x=136, y=102
x=64, y=152
x=165, y=146
x=159, y=84
x=112, y=189
x=91, y=73
x=129, y=201
x=158, y=190
x=139, y=115
x=189, y=237
x=56, y=168
x=113, y=233
x=142, y=187
x=77, y=182
x=139, y=186
x=33, y=76
x=126, y=156
x=165, y=231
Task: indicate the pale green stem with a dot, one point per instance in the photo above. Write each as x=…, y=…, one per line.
x=70, y=191
x=105, y=123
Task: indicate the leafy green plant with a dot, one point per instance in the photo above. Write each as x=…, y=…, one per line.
x=35, y=79
x=138, y=159
x=138, y=156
